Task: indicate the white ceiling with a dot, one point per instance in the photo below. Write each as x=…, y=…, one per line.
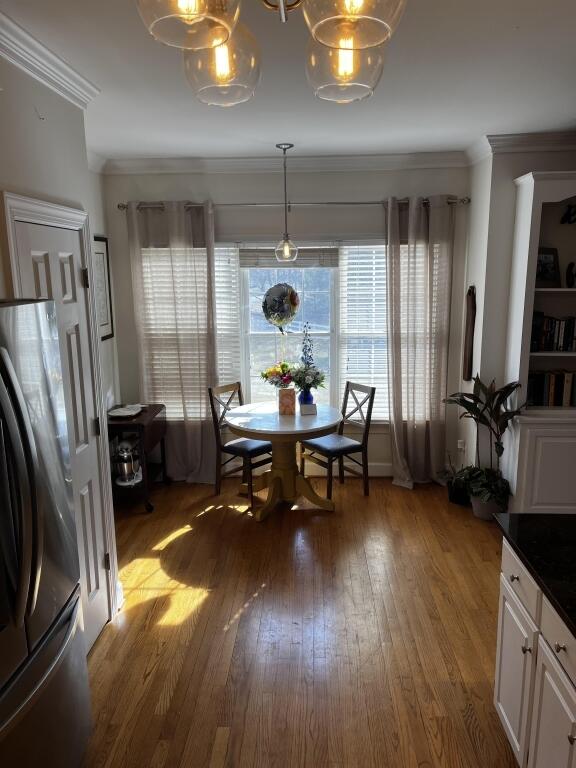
x=456, y=70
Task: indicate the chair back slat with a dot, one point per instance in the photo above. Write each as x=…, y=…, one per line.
x=222, y=400
x=357, y=408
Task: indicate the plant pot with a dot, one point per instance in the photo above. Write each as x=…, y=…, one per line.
x=306, y=397
x=484, y=510
x=458, y=493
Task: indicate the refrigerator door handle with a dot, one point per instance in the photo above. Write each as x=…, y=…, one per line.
x=25, y=493
x=8, y=542
x=33, y=453
x=54, y=664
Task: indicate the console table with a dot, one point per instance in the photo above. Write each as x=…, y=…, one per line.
x=149, y=427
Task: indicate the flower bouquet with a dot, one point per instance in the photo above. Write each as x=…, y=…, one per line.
x=279, y=375
x=307, y=376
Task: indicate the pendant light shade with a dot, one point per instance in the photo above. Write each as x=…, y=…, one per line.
x=286, y=251
x=344, y=75
x=228, y=74
x=190, y=24
x=366, y=23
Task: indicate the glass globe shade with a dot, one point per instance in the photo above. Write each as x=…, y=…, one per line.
x=190, y=24
x=367, y=22
x=343, y=75
x=228, y=74
x=286, y=251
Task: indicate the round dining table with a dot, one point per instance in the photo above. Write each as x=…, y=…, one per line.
x=262, y=421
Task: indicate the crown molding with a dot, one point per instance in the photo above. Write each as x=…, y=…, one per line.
x=297, y=164
x=21, y=49
x=558, y=141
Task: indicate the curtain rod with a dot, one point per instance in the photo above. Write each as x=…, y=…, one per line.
x=365, y=203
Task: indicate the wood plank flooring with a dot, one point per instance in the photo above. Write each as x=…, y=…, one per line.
x=361, y=638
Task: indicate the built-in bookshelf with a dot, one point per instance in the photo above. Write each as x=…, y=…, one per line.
x=551, y=381
x=540, y=450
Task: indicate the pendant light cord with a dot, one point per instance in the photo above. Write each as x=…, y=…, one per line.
x=286, y=237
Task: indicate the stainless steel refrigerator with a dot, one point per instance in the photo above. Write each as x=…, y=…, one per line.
x=44, y=694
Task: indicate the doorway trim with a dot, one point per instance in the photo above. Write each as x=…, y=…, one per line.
x=31, y=211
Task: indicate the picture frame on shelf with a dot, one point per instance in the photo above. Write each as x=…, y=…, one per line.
x=548, y=269
x=103, y=287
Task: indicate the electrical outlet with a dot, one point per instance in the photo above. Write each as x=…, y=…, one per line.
x=462, y=446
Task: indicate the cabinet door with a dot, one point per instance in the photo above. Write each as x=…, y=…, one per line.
x=515, y=669
x=553, y=725
x=50, y=267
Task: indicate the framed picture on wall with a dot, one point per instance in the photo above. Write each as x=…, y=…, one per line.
x=103, y=288
x=548, y=269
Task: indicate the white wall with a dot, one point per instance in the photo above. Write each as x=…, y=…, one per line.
x=43, y=155
x=241, y=224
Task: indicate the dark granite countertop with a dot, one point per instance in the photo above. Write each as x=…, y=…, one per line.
x=546, y=544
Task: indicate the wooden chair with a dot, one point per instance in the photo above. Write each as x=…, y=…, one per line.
x=357, y=411
x=222, y=399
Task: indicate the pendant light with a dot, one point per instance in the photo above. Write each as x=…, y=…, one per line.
x=344, y=75
x=365, y=23
x=228, y=74
x=286, y=251
x=190, y=24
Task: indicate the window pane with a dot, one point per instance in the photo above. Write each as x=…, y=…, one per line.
x=267, y=345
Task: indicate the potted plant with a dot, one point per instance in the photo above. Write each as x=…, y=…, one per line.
x=487, y=407
x=306, y=375
x=457, y=482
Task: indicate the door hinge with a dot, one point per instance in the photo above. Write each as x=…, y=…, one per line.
x=107, y=565
x=85, y=277
x=97, y=428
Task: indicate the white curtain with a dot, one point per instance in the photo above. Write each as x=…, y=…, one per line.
x=172, y=260
x=420, y=245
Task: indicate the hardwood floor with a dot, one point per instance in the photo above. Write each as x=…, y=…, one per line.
x=364, y=637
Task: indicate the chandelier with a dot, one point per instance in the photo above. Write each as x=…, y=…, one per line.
x=345, y=58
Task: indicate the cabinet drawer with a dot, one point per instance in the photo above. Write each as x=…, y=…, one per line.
x=560, y=639
x=520, y=581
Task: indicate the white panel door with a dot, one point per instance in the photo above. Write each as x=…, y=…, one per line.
x=50, y=267
x=515, y=667
x=553, y=728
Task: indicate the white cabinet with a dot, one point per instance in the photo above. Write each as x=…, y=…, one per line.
x=544, y=456
x=541, y=446
x=515, y=669
x=553, y=724
x=534, y=693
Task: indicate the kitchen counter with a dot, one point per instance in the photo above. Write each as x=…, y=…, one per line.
x=546, y=544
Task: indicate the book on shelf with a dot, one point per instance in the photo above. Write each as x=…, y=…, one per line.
x=552, y=334
x=551, y=389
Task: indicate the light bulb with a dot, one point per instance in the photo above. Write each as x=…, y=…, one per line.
x=222, y=67
x=346, y=58
x=353, y=6
x=191, y=7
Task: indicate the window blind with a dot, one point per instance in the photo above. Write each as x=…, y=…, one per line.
x=307, y=257
x=177, y=339
x=227, y=310
x=362, y=338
